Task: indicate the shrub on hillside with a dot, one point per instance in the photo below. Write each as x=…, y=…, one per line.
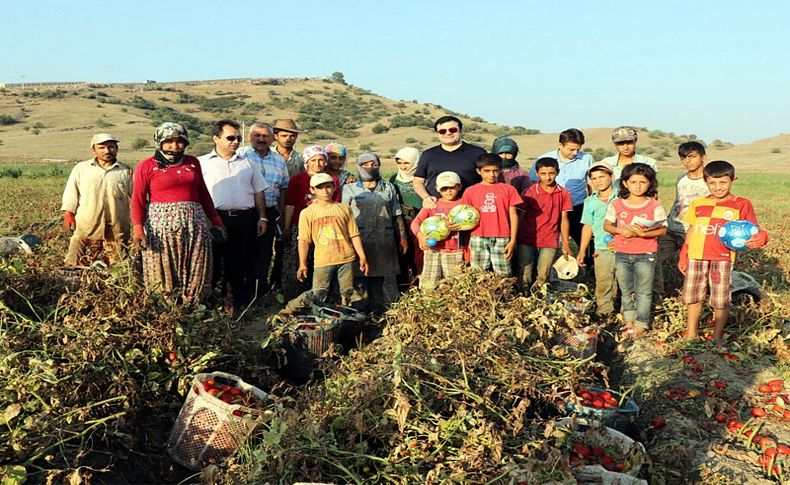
x=139, y=144
x=6, y=120
x=379, y=128
x=142, y=103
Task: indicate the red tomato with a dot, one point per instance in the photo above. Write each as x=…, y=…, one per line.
x=720, y=418
x=214, y=391
x=783, y=449
x=585, y=395
x=597, y=403
x=197, y=390
x=720, y=384
x=659, y=422
x=206, y=387
x=226, y=399
x=609, y=405
x=597, y=452
x=211, y=382
x=770, y=452
x=764, y=388
x=172, y=356
x=235, y=391
x=581, y=450
x=605, y=395
x=237, y=412
x=758, y=412
x=776, y=383
x=786, y=416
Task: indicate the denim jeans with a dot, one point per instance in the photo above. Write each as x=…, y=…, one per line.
x=322, y=281
x=635, y=277
x=535, y=261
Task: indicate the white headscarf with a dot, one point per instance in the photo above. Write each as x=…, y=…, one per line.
x=411, y=155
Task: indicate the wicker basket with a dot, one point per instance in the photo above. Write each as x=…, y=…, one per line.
x=208, y=430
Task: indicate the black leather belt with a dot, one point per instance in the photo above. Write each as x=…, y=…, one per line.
x=235, y=212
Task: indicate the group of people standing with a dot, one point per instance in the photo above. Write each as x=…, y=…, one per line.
x=264, y=217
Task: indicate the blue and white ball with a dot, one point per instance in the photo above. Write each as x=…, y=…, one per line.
x=734, y=234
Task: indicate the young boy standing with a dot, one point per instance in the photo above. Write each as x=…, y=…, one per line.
x=331, y=228
x=600, y=177
x=704, y=260
x=690, y=186
x=446, y=257
x=544, y=221
x=493, y=241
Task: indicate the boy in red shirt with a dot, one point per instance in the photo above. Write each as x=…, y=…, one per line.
x=493, y=241
x=704, y=260
x=542, y=221
x=446, y=257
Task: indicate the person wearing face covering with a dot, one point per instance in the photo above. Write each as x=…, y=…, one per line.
x=511, y=173
x=410, y=263
x=374, y=204
x=172, y=218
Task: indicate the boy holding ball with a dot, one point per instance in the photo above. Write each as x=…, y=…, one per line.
x=443, y=258
x=704, y=259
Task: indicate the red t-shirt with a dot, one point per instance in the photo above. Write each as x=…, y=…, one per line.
x=621, y=215
x=494, y=203
x=540, y=226
x=448, y=245
x=180, y=183
x=706, y=216
x=299, y=196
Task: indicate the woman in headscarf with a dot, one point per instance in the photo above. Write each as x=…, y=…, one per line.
x=511, y=173
x=411, y=262
x=374, y=203
x=336, y=160
x=297, y=198
x=172, y=217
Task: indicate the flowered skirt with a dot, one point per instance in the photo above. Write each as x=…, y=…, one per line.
x=177, y=258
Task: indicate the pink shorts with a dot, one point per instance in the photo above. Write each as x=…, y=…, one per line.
x=700, y=274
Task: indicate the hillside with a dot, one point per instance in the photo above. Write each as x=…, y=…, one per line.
x=55, y=123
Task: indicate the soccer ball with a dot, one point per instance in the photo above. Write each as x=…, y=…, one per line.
x=734, y=234
x=464, y=216
x=435, y=227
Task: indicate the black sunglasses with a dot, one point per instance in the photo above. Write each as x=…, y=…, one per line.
x=233, y=138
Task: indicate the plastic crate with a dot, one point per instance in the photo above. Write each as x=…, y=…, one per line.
x=617, y=418
x=207, y=431
x=581, y=343
x=311, y=334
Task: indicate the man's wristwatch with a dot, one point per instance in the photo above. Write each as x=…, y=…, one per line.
x=263, y=219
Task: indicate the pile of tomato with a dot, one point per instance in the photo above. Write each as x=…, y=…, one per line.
x=583, y=455
x=772, y=459
x=228, y=394
x=598, y=399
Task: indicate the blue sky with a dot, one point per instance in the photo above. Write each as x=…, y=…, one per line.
x=719, y=69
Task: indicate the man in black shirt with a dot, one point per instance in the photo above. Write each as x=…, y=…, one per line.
x=452, y=154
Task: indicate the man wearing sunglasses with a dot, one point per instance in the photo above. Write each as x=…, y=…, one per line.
x=236, y=186
x=452, y=154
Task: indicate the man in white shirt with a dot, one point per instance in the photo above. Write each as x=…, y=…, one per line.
x=236, y=187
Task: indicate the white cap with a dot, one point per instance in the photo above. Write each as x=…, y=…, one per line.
x=447, y=179
x=101, y=138
x=567, y=269
x=320, y=178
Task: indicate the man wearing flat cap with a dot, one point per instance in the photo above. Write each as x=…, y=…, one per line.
x=96, y=205
x=285, y=134
x=624, y=139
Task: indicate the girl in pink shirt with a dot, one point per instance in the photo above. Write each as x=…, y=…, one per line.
x=636, y=219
